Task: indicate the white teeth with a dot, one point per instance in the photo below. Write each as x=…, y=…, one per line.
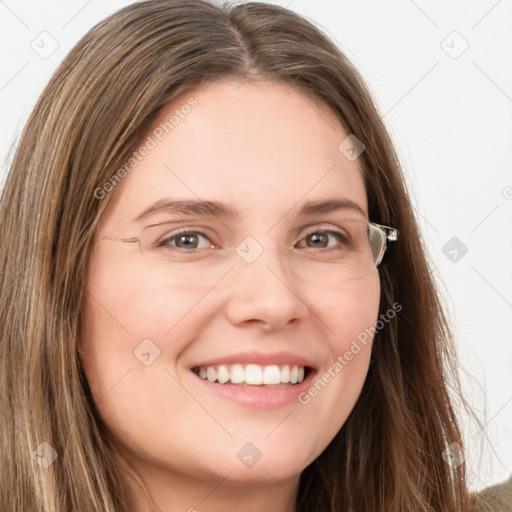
x=271, y=375
x=211, y=374
x=237, y=374
x=222, y=374
x=252, y=374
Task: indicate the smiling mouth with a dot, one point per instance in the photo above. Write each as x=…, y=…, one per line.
x=253, y=374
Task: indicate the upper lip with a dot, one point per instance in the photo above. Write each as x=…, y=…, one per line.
x=259, y=358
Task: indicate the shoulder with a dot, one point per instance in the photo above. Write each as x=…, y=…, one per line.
x=497, y=498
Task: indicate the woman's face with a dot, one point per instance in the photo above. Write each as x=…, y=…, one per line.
x=255, y=292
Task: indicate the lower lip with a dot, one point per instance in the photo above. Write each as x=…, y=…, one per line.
x=261, y=397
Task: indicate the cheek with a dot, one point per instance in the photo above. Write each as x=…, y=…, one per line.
x=128, y=322
x=348, y=310
x=349, y=314
x=128, y=303
x=125, y=355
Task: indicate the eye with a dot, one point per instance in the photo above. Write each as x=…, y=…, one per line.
x=321, y=238
x=186, y=240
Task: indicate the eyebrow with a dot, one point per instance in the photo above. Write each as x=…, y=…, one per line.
x=217, y=209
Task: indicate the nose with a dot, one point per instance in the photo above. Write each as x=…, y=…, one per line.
x=264, y=293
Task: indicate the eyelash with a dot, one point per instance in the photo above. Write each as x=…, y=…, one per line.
x=164, y=242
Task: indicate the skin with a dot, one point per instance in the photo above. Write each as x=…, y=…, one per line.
x=277, y=149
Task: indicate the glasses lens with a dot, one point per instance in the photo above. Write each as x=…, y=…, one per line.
x=377, y=240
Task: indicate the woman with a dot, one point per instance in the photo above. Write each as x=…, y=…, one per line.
x=192, y=316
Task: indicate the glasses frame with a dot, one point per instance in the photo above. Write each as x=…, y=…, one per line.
x=390, y=235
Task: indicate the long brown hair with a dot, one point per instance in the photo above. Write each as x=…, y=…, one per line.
x=89, y=119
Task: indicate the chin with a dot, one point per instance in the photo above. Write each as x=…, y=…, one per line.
x=258, y=462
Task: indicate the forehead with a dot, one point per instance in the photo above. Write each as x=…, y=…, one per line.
x=263, y=146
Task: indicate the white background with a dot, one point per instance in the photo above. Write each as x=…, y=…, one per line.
x=450, y=118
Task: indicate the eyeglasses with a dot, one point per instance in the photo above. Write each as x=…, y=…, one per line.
x=180, y=254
